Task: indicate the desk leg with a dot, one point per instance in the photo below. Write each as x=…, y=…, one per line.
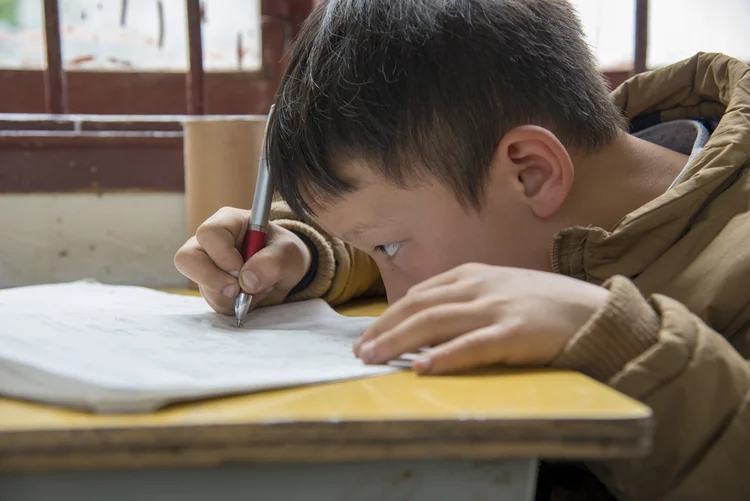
x=382, y=481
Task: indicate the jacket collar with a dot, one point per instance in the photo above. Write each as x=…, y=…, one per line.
x=704, y=86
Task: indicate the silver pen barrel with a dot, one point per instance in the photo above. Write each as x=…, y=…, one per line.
x=259, y=215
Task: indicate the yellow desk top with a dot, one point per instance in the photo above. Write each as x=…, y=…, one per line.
x=398, y=416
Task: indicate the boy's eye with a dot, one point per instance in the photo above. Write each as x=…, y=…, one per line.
x=388, y=249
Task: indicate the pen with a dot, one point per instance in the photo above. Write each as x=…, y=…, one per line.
x=255, y=237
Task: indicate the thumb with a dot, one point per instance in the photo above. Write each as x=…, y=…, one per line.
x=262, y=271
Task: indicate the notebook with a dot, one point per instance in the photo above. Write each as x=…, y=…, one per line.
x=124, y=349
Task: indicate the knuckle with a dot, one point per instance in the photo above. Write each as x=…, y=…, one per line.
x=412, y=303
x=184, y=256
x=285, y=241
x=474, y=281
x=472, y=268
x=474, y=345
x=292, y=249
x=490, y=304
x=433, y=315
x=205, y=231
x=180, y=256
x=512, y=329
x=414, y=292
x=464, y=267
x=220, y=220
x=225, y=212
x=414, y=289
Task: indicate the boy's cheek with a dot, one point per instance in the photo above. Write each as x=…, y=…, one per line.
x=397, y=280
x=395, y=284
x=400, y=274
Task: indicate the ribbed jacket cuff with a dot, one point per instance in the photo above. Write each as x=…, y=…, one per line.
x=326, y=266
x=622, y=329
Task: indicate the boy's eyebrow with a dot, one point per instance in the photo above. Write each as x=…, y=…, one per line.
x=357, y=230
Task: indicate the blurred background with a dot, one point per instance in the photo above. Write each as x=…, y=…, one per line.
x=151, y=36
x=94, y=93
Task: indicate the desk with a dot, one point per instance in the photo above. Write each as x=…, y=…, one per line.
x=396, y=437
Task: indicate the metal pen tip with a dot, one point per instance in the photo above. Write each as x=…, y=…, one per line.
x=241, y=306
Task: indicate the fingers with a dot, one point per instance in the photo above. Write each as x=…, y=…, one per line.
x=445, y=278
x=221, y=235
x=429, y=327
x=281, y=264
x=230, y=221
x=412, y=304
x=482, y=347
x=193, y=262
x=212, y=260
x=217, y=302
x=270, y=297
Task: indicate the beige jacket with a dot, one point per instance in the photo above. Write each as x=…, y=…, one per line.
x=676, y=331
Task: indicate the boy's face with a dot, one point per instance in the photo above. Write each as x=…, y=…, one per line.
x=414, y=234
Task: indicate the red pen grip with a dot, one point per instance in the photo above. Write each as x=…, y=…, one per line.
x=254, y=241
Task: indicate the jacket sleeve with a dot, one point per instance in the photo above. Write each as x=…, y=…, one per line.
x=341, y=272
x=696, y=383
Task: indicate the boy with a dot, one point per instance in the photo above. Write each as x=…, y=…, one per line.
x=465, y=155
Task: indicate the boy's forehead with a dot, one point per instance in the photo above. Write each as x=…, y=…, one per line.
x=368, y=188
x=353, y=214
x=376, y=203
x=373, y=205
x=357, y=172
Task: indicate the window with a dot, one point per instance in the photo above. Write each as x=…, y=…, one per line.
x=673, y=29
x=133, y=35
x=127, y=80
x=138, y=50
x=610, y=30
x=680, y=28
x=126, y=63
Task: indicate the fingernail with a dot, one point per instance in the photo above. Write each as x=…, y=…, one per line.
x=250, y=281
x=368, y=354
x=230, y=291
x=421, y=365
x=234, y=273
x=269, y=290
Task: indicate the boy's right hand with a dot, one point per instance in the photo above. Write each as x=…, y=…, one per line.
x=212, y=260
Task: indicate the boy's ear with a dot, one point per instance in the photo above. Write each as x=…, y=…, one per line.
x=537, y=166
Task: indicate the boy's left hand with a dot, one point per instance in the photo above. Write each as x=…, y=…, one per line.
x=477, y=315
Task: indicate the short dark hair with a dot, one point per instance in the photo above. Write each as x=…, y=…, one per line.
x=428, y=87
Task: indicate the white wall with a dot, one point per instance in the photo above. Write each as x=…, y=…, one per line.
x=125, y=238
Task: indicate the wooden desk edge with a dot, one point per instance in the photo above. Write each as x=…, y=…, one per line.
x=302, y=442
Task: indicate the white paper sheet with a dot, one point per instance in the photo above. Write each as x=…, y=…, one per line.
x=129, y=349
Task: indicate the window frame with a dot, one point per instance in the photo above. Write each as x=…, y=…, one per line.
x=55, y=91
x=134, y=143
